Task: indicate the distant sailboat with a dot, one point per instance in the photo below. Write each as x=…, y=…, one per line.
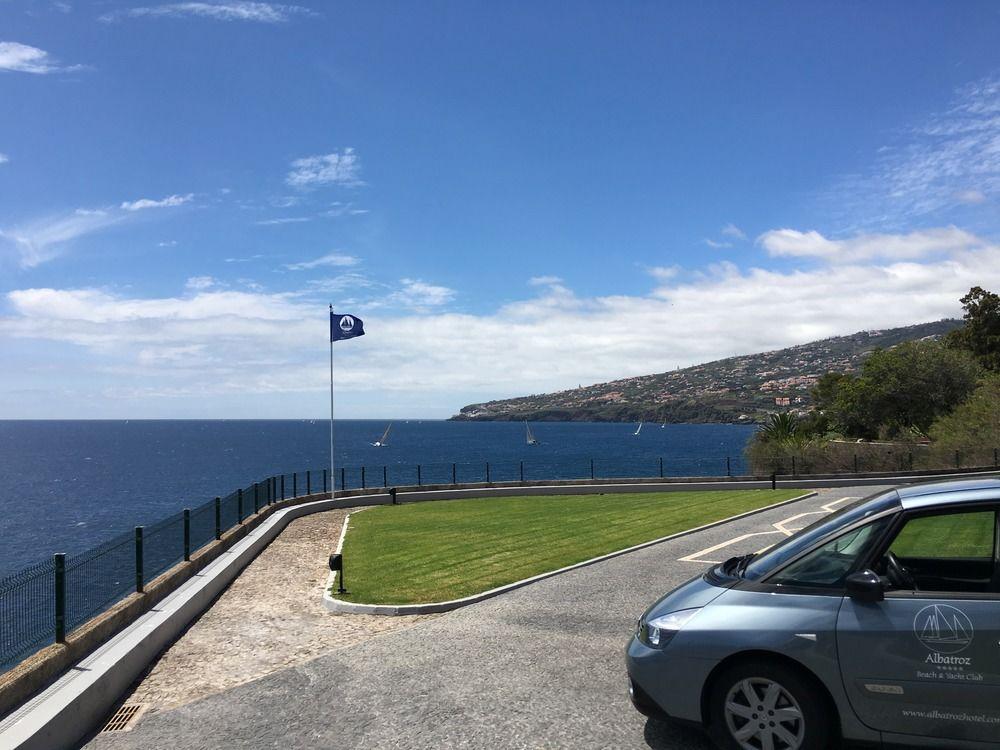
x=529, y=437
x=638, y=429
x=383, y=441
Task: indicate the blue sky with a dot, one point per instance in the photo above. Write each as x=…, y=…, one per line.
x=517, y=197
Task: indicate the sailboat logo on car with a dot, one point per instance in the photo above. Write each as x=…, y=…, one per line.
x=943, y=628
x=347, y=324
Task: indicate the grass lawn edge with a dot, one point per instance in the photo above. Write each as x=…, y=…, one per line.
x=344, y=607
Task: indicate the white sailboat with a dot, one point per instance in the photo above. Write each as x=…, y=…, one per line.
x=638, y=429
x=529, y=436
x=383, y=441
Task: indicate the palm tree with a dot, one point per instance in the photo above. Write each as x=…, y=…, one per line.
x=779, y=428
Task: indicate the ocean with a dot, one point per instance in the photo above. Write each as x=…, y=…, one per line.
x=66, y=486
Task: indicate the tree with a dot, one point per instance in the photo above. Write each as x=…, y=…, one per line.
x=972, y=429
x=904, y=389
x=824, y=393
x=779, y=428
x=981, y=332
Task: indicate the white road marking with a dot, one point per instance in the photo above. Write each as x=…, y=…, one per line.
x=780, y=527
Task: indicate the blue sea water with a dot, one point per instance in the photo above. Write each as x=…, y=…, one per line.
x=66, y=486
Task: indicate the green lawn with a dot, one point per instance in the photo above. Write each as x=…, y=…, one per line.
x=435, y=551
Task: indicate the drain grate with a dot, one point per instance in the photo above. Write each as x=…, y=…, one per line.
x=125, y=718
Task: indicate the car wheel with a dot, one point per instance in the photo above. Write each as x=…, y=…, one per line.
x=767, y=706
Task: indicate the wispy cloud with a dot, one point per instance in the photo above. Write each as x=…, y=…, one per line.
x=418, y=295
x=282, y=220
x=338, y=209
x=336, y=168
x=952, y=158
x=23, y=58
x=717, y=244
x=4, y=158
x=866, y=247
x=39, y=241
x=331, y=259
x=200, y=283
x=235, y=10
x=731, y=230
x=545, y=280
x=167, y=243
x=168, y=202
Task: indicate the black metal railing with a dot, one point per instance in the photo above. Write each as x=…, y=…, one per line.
x=40, y=604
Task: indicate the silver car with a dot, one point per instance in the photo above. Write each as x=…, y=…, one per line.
x=878, y=624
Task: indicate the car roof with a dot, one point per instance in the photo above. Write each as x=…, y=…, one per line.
x=929, y=494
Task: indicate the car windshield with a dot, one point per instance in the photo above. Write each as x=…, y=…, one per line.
x=778, y=555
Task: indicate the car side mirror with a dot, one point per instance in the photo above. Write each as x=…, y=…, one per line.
x=865, y=586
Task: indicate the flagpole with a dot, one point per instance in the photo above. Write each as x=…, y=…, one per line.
x=333, y=476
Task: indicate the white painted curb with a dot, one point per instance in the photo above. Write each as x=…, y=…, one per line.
x=341, y=607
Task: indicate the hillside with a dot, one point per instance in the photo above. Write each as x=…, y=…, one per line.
x=737, y=389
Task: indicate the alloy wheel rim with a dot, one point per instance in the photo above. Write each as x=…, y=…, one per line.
x=762, y=715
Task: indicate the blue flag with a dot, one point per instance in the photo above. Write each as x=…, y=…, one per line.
x=345, y=326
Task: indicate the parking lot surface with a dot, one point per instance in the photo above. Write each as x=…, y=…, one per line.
x=540, y=667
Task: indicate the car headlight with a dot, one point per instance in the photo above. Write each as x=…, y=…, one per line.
x=658, y=632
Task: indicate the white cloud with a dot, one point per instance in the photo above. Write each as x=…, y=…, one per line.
x=971, y=197
x=4, y=158
x=168, y=202
x=545, y=280
x=282, y=220
x=951, y=158
x=420, y=296
x=235, y=10
x=862, y=247
x=39, y=241
x=731, y=230
x=551, y=341
x=167, y=243
x=23, y=58
x=663, y=273
x=331, y=259
x=200, y=283
x=337, y=168
x=716, y=244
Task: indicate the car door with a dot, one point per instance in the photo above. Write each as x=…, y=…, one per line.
x=926, y=660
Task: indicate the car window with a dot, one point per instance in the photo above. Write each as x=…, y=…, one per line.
x=778, y=555
x=953, y=535
x=828, y=565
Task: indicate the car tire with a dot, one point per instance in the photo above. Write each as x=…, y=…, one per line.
x=789, y=709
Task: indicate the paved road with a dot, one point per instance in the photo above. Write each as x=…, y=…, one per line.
x=541, y=667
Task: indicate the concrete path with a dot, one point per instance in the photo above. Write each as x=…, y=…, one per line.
x=541, y=667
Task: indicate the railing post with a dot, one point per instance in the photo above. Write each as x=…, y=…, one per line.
x=958, y=460
x=60, y=571
x=324, y=480
x=453, y=475
x=419, y=479
x=729, y=467
x=138, y=560
x=591, y=468
x=661, y=468
x=522, y=472
x=282, y=486
x=487, y=472
x=218, y=518
x=910, y=460
x=995, y=456
x=187, y=535
x=239, y=506
x=855, y=463
x=256, y=498
x=343, y=478
x=363, y=478
x=774, y=481
x=385, y=477
x=309, y=482
x=793, y=466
